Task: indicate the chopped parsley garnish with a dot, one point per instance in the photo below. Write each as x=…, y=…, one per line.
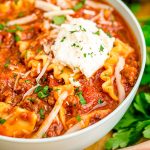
x=42, y=92
x=18, y=28
x=84, y=55
x=42, y=95
x=39, y=88
x=97, y=32
x=78, y=117
x=7, y=63
x=79, y=5
x=74, y=31
x=82, y=100
x=45, y=89
x=109, y=35
x=21, y=14
x=41, y=112
x=62, y=40
x=39, y=50
x=58, y=20
x=76, y=89
x=75, y=45
x=17, y=38
x=2, y=26
x=27, y=81
x=57, y=89
x=101, y=48
x=82, y=29
x=91, y=54
x=31, y=99
x=100, y=101
x=2, y=121
x=11, y=30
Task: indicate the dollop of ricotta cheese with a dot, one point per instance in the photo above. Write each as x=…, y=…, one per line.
x=81, y=45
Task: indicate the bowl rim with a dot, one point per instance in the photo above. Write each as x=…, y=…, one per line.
x=77, y=133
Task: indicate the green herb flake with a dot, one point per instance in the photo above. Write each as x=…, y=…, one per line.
x=82, y=29
x=76, y=89
x=79, y=5
x=17, y=38
x=75, y=45
x=19, y=28
x=45, y=89
x=21, y=14
x=100, y=101
x=2, y=121
x=7, y=63
x=41, y=95
x=74, y=31
x=109, y=35
x=41, y=112
x=97, y=32
x=2, y=26
x=78, y=117
x=82, y=100
x=27, y=81
x=58, y=20
x=84, y=55
x=63, y=39
x=57, y=90
x=101, y=48
x=11, y=30
x=31, y=99
x=39, y=88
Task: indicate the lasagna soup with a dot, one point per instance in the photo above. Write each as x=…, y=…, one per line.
x=64, y=65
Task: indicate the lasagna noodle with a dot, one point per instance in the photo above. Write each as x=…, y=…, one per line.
x=19, y=122
x=120, y=49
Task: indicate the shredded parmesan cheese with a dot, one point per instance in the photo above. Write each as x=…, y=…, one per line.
x=16, y=82
x=45, y=6
x=120, y=87
x=23, y=20
x=74, y=128
x=30, y=91
x=97, y=5
x=57, y=13
x=89, y=12
x=43, y=71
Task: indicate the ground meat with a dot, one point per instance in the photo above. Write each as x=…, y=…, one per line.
x=55, y=129
x=131, y=70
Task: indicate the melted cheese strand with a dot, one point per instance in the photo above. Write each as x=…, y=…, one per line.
x=45, y=6
x=98, y=5
x=57, y=13
x=23, y=20
x=43, y=71
x=120, y=87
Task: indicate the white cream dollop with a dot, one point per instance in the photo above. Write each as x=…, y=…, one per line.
x=80, y=44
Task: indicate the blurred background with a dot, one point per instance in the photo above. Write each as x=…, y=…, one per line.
x=134, y=127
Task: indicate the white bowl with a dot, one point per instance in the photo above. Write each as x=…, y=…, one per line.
x=83, y=138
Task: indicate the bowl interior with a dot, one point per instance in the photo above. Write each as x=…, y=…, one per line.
x=135, y=27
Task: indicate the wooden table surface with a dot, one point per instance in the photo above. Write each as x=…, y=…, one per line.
x=145, y=13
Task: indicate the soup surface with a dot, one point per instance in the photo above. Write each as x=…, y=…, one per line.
x=64, y=65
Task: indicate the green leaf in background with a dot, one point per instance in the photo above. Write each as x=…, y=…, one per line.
x=146, y=132
x=120, y=139
x=146, y=31
x=135, y=7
